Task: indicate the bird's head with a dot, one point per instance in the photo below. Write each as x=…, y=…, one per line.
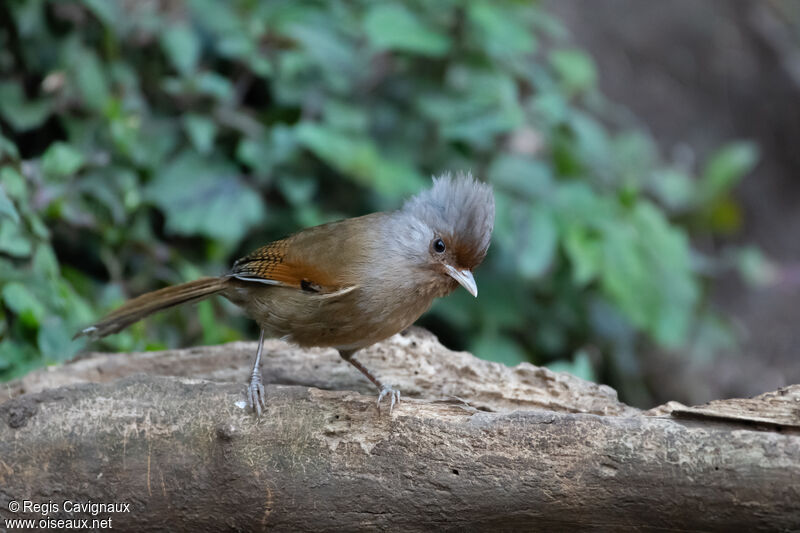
x=452, y=230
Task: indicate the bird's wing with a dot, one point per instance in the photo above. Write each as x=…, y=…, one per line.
x=318, y=259
x=275, y=264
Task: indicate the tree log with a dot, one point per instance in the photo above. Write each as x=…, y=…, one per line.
x=473, y=445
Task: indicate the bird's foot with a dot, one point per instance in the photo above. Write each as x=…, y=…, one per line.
x=256, y=398
x=393, y=394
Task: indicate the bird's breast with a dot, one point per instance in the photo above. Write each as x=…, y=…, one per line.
x=352, y=320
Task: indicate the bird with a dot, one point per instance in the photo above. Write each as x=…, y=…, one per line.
x=346, y=284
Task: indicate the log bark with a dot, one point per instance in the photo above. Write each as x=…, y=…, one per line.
x=474, y=445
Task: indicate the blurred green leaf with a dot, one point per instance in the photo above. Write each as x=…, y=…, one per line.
x=220, y=17
x=712, y=335
x=575, y=69
x=90, y=79
x=61, y=160
x=182, y=47
x=7, y=208
x=215, y=86
x=201, y=130
x=537, y=243
x=521, y=175
x=580, y=366
x=576, y=203
x=328, y=53
x=13, y=241
x=265, y=152
x=107, y=12
x=498, y=348
x=8, y=150
x=29, y=17
x=22, y=114
x=359, y=159
x=754, y=267
x=633, y=151
x=500, y=31
x=392, y=26
x=153, y=143
x=13, y=183
x=673, y=188
x=204, y=197
x=297, y=191
x=13, y=357
x=8, y=355
x=584, y=249
x=54, y=339
x=724, y=216
x=726, y=167
x=481, y=105
x=647, y=273
x=591, y=143
x=551, y=107
x=22, y=302
x=345, y=117
x=45, y=262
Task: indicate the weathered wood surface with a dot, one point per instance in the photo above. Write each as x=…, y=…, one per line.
x=779, y=408
x=414, y=361
x=474, y=445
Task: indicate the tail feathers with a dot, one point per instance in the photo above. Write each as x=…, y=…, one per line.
x=151, y=302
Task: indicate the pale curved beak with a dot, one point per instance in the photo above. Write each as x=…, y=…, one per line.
x=464, y=277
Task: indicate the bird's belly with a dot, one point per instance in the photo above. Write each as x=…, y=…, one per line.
x=349, y=321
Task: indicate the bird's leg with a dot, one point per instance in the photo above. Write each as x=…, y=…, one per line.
x=384, y=390
x=255, y=390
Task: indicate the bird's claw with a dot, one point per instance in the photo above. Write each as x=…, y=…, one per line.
x=256, y=398
x=393, y=394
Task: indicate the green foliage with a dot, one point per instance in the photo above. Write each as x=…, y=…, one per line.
x=149, y=143
x=204, y=197
x=395, y=27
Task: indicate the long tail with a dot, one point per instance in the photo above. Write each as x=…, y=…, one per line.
x=151, y=302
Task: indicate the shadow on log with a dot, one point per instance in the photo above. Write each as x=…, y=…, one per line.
x=474, y=445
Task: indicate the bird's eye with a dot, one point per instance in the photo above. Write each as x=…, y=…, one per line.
x=438, y=246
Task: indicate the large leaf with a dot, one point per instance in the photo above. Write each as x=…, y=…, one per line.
x=576, y=69
x=13, y=184
x=182, y=46
x=528, y=234
x=23, y=302
x=647, y=273
x=358, y=158
x=537, y=245
x=584, y=248
x=499, y=31
x=90, y=79
x=327, y=50
x=205, y=197
x=7, y=208
x=13, y=241
x=107, y=12
x=201, y=131
x=479, y=105
x=392, y=26
x=521, y=175
x=61, y=160
x=54, y=340
x=21, y=113
x=264, y=152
